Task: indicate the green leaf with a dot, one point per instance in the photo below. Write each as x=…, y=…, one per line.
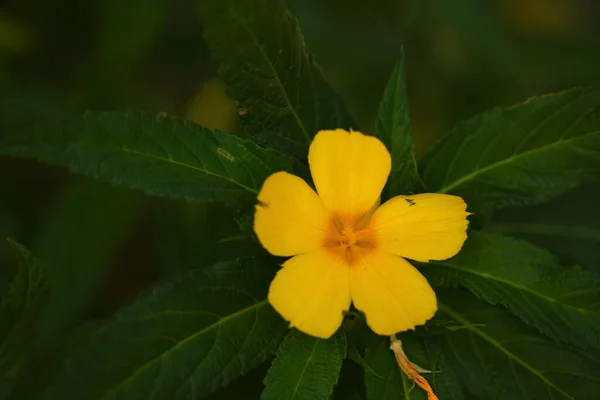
x=283, y=98
x=19, y=315
x=159, y=154
x=498, y=357
x=562, y=303
x=394, y=130
x=443, y=380
x=184, y=339
x=305, y=367
x=526, y=154
x=568, y=226
x=390, y=382
x=94, y=219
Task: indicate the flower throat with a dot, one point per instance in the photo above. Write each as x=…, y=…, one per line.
x=349, y=240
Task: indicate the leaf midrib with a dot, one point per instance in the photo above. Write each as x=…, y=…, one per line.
x=312, y=352
x=516, y=286
x=183, y=342
x=273, y=71
x=393, y=122
x=171, y=161
x=514, y=157
x=168, y=160
x=511, y=356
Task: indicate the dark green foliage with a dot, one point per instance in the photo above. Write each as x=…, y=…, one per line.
x=390, y=380
x=560, y=302
x=498, y=357
x=97, y=218
x=386, y=380
x=180, y=340
x=158, y=154
x=305, y=367
x=568, y=226
x=281, y=94
x=394, y=130
x=526, y=154
x=20, y=313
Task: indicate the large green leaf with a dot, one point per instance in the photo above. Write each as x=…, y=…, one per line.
x=394, y=130
x=184, y=339
x=305, y=367
x=159, y=154
x=526, y=154
x=390, y=382
x=563, y=303
x=568, y=226
x=283, y=98
x=498, y=357
x=19, y=316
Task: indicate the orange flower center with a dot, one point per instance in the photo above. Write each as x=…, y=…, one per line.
x=348, y=237
x=348, y=240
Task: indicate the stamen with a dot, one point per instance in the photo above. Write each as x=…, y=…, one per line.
x=349, y=238
x=365, y=245
x=343, y=237
x=338, y=225
x=331, y=243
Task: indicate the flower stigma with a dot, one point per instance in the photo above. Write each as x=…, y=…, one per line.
x=350, y=239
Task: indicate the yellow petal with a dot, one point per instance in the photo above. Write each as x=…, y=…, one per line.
x=312, y=291
x=290, y=218
x=349, y=170
x=392, y=294
x=421, y=227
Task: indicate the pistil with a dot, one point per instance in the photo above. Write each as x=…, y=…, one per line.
x=348, y=240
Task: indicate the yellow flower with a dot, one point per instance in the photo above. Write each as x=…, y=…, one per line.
x=345, y=247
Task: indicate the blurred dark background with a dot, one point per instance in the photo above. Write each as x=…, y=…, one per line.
x=102, y=245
